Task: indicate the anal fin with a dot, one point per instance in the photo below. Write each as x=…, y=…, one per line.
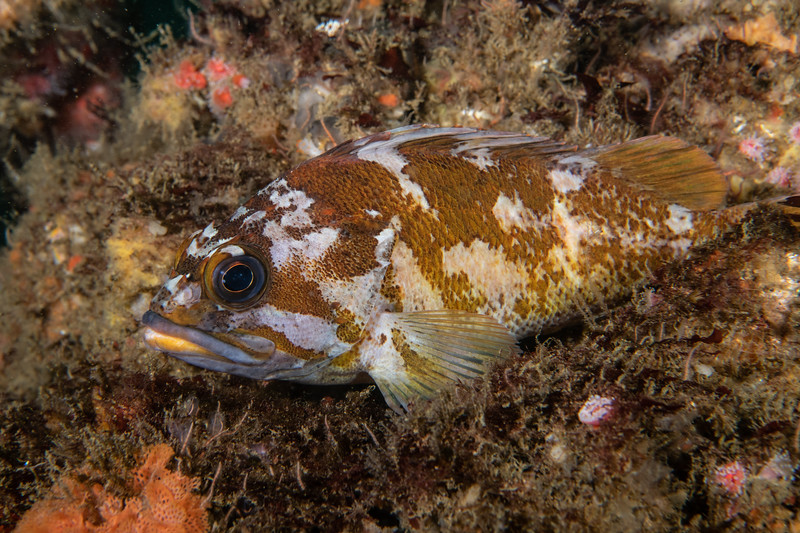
x=413, y=356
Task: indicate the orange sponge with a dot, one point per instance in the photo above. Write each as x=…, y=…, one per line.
x=163, y=501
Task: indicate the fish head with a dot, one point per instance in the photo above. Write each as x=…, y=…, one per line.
x=275, y=292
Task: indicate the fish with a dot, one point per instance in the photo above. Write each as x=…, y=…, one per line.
x=417, y=258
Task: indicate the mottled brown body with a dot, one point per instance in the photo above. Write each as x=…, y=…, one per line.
x=419, y=255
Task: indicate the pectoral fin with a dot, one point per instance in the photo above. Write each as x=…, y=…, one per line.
x=413, y=356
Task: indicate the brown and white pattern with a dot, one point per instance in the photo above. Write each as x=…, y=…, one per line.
x=396, y=254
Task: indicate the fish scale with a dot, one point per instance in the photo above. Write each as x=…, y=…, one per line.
x=420, y=256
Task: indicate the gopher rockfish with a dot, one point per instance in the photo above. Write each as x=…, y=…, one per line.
x=419, y=256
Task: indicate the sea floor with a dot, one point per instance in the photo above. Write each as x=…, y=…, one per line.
x=118, y=145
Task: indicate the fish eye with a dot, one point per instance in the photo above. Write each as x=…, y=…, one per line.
x=237, y=278
x=236, y=281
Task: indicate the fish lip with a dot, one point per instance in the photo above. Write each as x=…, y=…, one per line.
x=168, y=328
x=198, y=348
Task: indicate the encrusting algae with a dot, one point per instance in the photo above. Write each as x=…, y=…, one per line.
x=160, y=500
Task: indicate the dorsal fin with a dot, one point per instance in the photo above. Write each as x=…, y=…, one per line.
x=669, y=168
x=497, y=143
x=467, y=141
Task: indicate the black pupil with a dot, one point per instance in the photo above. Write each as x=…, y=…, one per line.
x=237, y=278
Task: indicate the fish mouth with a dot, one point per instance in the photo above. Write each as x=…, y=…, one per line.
x=202, y=349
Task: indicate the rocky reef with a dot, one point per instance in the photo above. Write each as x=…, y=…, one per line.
x=676, y=410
